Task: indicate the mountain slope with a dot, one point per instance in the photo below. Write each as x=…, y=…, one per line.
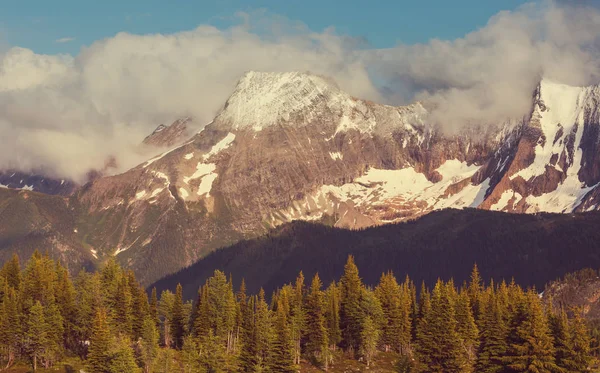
x=293, y=146
x=535, y=249
x=30, y=221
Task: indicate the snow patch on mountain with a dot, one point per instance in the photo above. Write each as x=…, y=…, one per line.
x=221, y=145
x=380, y=190
x=561, y=109
x=205, y=171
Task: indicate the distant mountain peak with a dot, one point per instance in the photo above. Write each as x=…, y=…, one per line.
x=265, y=99
x=167, y=136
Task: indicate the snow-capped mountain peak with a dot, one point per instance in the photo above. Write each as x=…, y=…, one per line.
x=263, y=100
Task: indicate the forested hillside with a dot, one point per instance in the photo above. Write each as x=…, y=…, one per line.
x=534, y=249
x=105, y=322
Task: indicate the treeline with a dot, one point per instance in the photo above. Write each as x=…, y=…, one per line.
x=108, y=320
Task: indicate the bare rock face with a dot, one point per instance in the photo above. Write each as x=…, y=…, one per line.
x=168, y=136
x=293, y=146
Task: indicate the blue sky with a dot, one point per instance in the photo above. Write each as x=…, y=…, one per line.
x=38, y=24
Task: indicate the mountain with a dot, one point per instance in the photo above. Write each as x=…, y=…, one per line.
x=167, y=136
x=533, y=248
x=294, y=146
x=162, y=137
x=30, y=221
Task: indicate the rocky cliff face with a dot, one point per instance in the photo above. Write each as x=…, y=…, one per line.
x=293, y=146
x=171, y=135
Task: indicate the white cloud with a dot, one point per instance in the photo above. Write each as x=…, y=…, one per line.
x=65, y=40
x=490, y=74
x=68, y=114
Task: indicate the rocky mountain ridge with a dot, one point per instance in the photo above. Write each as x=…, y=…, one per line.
x=293, y=146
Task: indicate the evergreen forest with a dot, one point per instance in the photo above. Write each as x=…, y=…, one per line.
x=106, y=321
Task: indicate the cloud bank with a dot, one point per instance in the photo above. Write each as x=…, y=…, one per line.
x=67, y=115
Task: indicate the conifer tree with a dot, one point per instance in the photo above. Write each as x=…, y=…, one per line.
x=559, y=327
x=54, y=335
x=10, y=326
x=351, y=315
x=139, y=305
x=149, y=344
x=389, y=295
x=36, y=335
x=494, y=332
x=190, y=353
x=282, y=357
x=263, y=329
x=369, y=340
x=11, y=272
x=202, y=322
x=467, y=330
x=165, y=311
x=332, y=315
x=475, y=291
x=65, y=300
x=122, y=310
x=98, y=359
x=122, y=357
x=580, y=342
x=439, y=344
x=530, y=343
x=178, y=319
x=297, y=316
x=248, y=354
x=316, y=332
x=153, y=308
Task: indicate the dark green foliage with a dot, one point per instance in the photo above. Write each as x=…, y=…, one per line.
x=178, y=321
x=534, y=249
x=530, y=345
x=351, y=314
x=49, y=317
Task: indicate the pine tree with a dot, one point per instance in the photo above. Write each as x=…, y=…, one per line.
x=389, y=294
x=282, y=355
x=149, y=344
x=263, y=329
x=54, y=345
x=202, y=322
x=153, y=308
x=439, y=344
x=122, y=310
x=475, y=291
x=559, y=327
x=122, y=357
x=297, y=316
x=36, y=334
x=65, y=299
x=98, y=359
x=351, y=316
x=316, y=332
x=530, y=344
x=580, y=343
x=369, y=340
x=10, y=326
x=139, y=305
x=11, y=272
x=248, y=354
x=494, y=332
x=467, y=330
x=178, y=319
x=332, y=315
x=190, y=353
